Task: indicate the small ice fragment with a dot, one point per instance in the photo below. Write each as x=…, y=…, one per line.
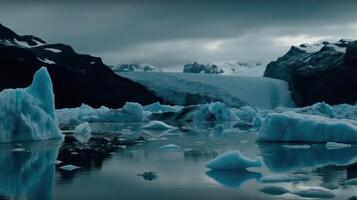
x=69, y=167
x=58, y=162
x=304, y=146
x=18, y=149
x=170, y=147
x=335, y=145
x=157, y=125
x=277, y=178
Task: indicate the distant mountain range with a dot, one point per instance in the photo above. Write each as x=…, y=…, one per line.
x=77, y=78
x=127, y=67
x=323, y=71
x=228, y=68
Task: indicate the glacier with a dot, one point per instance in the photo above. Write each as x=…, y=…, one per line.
x=234, y=91
x=29, y=114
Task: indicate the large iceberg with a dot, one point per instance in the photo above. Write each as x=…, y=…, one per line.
x=295, y=127
x=29, y=114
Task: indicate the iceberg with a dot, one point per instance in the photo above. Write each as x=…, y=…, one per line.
x=295, y=127
x=82, y=132
x=233, y=160
x=29, y=114
x=131, y=112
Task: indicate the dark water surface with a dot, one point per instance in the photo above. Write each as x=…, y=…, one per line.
x=148, y=171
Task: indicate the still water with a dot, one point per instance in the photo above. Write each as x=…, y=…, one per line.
x=149, y=171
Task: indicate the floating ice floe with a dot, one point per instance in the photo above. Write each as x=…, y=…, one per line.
x=294, y=127
x=170, y=147
x=314, y=193
x=69, y=167
x=277, y=178
x=157, y=125
x=233, y=160
x=335, y=145
x=82, y=132
x=29, y=114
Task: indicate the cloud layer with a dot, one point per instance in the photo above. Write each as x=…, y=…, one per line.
x=172, y=33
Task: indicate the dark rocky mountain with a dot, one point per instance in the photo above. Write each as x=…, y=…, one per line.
x=325, y=71
x=77, y=78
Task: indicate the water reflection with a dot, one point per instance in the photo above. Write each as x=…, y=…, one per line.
x=231, y=178
x=28, y=169
x=280, y=159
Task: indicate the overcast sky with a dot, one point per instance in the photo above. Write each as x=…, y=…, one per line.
x=172, y=33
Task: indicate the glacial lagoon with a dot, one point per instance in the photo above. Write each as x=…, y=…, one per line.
x=172, y=166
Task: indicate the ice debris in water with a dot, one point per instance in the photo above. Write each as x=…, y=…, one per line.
x=29, y=114
x=157, y=125
x=69, y=167
x=294, y=127
x=131, y=112
x=233, y=160
x=335, y=145
x=82, y=132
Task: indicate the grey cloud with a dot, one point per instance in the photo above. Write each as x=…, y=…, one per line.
x=169, y=33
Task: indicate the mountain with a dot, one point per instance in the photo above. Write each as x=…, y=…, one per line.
x=324, y=71
x=77, y=78
x=228, y=68
x=126, y=67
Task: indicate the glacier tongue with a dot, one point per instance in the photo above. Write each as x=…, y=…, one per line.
x=29, y=114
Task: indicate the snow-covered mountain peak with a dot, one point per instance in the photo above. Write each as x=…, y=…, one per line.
x=249, y=68
x=339, y=46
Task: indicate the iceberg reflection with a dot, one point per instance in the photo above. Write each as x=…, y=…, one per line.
x=280, y=159
x=232, y=178
x=29, y=170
